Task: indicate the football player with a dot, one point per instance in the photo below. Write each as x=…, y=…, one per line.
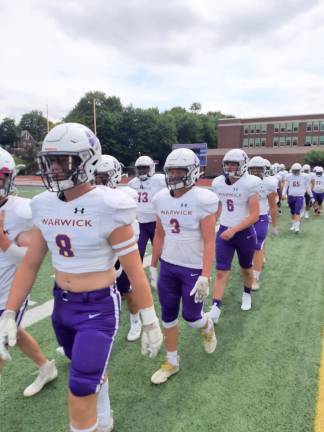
x=15, y=234
x=184, y=243
x=238, y=192
x=268, y=203
x=307, y=171
x=147, y=184
x=86, y=229
x=109, y=173
x=298, y=184
x=318, y=190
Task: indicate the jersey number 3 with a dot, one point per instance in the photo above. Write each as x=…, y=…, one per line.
x=64, y=244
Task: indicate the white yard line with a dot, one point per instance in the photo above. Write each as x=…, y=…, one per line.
x=45, y=310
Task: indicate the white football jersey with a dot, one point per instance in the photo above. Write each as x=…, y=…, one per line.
x=18, y=218
x=133, y=194
x=180, y=217
x=279, y=176
x=296, y=184
x=267, y=187
x=145, y=192
x=318, y=184
x=234, y=197
x=76, y=231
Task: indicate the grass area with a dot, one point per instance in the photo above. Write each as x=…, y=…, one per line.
x=261, y=378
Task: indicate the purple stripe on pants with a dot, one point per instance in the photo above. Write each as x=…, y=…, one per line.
x=85, y=325
x=244, y=243
x=146, y=233
x=174, y=285
x=296, y=203
x=261, y=229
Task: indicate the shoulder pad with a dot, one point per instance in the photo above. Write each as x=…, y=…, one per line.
x=23, y=208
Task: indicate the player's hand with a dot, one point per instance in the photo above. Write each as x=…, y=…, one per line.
x=152, y=339
x=274, y=232
x=228, y=234
x=284, y=197
x=201, y=289
x=8, y=332
x=153, y=277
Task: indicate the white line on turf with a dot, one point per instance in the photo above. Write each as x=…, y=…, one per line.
x=44, y=310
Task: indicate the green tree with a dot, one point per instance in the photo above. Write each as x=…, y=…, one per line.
x=314, y=158
x=35, y=123
x=9, y=134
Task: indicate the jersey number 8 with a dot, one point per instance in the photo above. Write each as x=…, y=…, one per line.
x=64, y=244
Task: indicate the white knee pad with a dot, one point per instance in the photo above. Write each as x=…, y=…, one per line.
x=199, y=323
x=170, y=324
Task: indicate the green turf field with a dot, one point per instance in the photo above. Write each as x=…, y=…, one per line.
x=261, y=378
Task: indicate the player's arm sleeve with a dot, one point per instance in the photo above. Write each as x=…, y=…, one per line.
x=208, y=203
x=254, y=187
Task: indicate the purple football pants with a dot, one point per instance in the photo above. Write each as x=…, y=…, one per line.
x=318, y=197
x=85, y=325
x=174, y=285
x=296, y=204
x=261, y=229
x=243, y=243
x=147, y=231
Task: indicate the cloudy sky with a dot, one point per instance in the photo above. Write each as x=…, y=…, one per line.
x=243, y=57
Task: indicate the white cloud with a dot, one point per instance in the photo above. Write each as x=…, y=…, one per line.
x=247, y=57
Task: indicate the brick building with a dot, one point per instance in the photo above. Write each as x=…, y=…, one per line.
x=280, y=139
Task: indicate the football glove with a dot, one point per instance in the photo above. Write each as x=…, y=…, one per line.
x=153, y=277
x=8, y=332
x=200, y=289
x=152, y=339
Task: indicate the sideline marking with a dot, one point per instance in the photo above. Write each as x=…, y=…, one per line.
x=44, y=310
x=319, y=416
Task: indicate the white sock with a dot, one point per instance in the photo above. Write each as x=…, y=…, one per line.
x=90, y=429
x=256, y=274
x=103, y=405
x=297, y=224
x=172, y=357
x=134, y=317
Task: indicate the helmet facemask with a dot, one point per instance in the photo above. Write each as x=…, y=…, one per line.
x=257, y=171
x=229, y=172
x=143, y=172
x=6, y=182
x=69, y=169
x=188, y=179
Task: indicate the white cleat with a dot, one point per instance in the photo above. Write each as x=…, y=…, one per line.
x=46, y=374
x=164, y=373
x=135, y=329
x=297, y=231
x=60, y=351
x=107, y=428
x=306, y=215
x=292, y=228
x=209, y=339
x=255, y=285
x=246, y=302
x=214, y=313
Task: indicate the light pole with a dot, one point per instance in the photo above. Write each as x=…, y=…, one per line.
x=94, y=116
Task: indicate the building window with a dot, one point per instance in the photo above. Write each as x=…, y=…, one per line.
x=246, y=129
x=282, y=127
x=295, y=141
x=295, y=127
x=315, y=126
x=251, y=142
x=308, y=141
x=263, y=128
x=322, y=126
x=289, y=127
x=263, y=142
x=315, y=140
x=276, y=127
x=275, y=142
x=252, y=128
x=288, y=141
x=257, y=142
x=282, y=141
x=245, y=142
x=257, y=128
x=321, y=139
x=309, y=127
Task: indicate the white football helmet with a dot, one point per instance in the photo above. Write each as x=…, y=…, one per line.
x=296, y=168
x=236, y=156
x=108, y=171
x=267, y=167
x=306, y=169
x=144, y=167
x=275, y=168
x=186, y=159
x=7, y=173
x=319, y=171
x=69, y=155
x=282, y=167
x=257, y=166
